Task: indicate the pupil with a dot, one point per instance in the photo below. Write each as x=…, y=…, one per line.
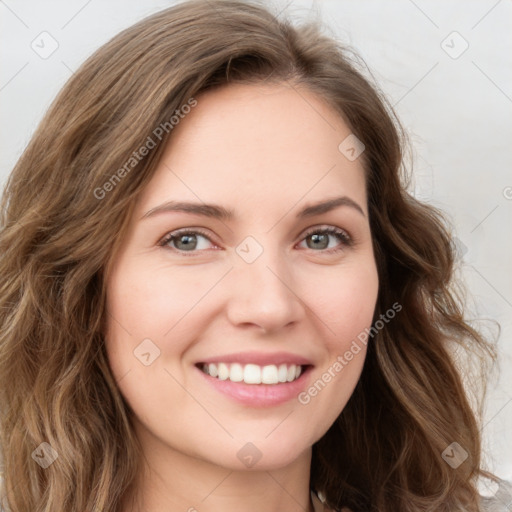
x=187, y=240
x=317, y=237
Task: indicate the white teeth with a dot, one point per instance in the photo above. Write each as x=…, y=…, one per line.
x=252, y=373
x=223, y=371
x=236, y=373
x=269, y=374
x=282, y=373
x=212, y=370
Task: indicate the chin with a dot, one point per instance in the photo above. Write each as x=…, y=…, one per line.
x=266, y=455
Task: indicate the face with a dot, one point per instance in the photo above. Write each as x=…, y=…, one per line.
x=264, y=285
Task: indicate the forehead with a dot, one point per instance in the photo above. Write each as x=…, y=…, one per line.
x=256, y=142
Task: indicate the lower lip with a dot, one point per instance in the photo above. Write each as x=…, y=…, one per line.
x=259, y=395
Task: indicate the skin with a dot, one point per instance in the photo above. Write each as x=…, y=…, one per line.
x=265, y=151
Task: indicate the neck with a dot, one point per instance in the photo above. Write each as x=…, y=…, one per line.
x=174, y=481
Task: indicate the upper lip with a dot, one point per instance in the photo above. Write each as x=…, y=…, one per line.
x=259, y=358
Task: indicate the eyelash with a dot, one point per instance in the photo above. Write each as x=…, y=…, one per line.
x=343, y=236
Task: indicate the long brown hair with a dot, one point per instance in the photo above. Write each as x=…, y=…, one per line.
x=65, y=209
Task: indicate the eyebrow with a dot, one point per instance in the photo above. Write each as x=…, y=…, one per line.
x=219, y=212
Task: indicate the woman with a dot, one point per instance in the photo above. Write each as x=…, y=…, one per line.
x=217, y=294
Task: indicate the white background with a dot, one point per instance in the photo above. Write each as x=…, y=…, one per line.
x=458, y=112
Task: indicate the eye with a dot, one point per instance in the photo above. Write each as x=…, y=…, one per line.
x=187, y=240
x=320, y=238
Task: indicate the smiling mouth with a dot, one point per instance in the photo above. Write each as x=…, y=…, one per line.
x=253, y=373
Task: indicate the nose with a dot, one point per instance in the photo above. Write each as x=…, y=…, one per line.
x=263, y=293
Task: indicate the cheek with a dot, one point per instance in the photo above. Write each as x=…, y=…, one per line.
x=150, y=302
x=144, y=334
x=345, y=309
x=346, y=304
